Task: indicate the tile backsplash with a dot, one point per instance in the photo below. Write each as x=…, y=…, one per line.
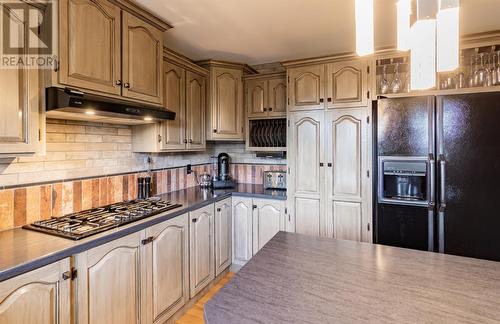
x=89, y=165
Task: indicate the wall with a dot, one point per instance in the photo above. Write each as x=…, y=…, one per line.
x=89, y=165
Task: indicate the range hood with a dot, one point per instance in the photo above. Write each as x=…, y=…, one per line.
x=76, y=105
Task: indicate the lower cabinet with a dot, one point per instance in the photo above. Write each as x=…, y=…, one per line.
x=109, y=282
x=201, y=248
x=255, y=222
x=41, y=296
x=223, y=235
x=167, y=260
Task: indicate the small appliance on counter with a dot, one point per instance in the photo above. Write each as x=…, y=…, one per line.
x=223, y=179
x=204, y=180
x=275, y=180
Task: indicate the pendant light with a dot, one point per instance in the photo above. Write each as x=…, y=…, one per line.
x=448, y=35
x=364, y=27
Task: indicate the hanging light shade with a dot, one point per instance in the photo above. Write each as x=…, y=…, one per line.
x=403, y=18
x=364, y=27
x=423, y=54
x=448, y=35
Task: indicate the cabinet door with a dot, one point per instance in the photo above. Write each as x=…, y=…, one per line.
x=306, y=181
x=19, y=104
x=168, y=268
x=257, y=101
x=109, y=282
x=142, y=57
x=40, y=296
x=201, y=245
x=242, y=230
x=195, y=103
x=227, y=104
x=277, y=97
x=347, y=84
x=268, y=219
x=223, y=235
x=306, y=88
x=90, y=48
x=174, y=137
x=346, y=149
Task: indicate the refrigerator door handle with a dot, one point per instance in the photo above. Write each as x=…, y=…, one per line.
x=442, y=202
x=432, y=176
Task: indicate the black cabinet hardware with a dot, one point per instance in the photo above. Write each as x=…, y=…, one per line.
x=147, y=240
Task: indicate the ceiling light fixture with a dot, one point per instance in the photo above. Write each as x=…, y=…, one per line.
x=364, y=27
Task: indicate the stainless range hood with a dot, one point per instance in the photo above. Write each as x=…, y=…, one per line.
x=76, y=105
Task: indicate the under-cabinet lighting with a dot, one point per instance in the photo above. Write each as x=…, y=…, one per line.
x=448, y=35
x=90, y=112
x=364, y=27
x=423, y=54
x=403, y=28
x=148, y=118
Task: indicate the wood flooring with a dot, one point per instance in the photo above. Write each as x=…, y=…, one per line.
x=194, y=315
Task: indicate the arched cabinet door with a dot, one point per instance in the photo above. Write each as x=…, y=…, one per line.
x=196, y=107
x=256, y=96
x=223, y=235
x=142, y=60
x=306, y=88
x=242, y=230
x=90, y=45
x=347, y=84
x=174, y=131
x=201, y=239
x=277, y=97
x=268, y=219
x=41, y=296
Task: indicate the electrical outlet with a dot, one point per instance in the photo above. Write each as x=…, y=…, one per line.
x=188, y=169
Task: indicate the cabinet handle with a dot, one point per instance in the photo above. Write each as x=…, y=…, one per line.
x=321, y=100
x=321, y=164
x=194, y=220
x=329, y=165
x=185, y=141
x=71, y=274
x=218, y=210
x=190, y=141
x=254, y=206
x=56, y=65
x=265, y=109
x=147, y=240
x=215, y=131
x=329, y=99
x=126, y=85
x=159, y=138
x=118, y=82
x=270, y=109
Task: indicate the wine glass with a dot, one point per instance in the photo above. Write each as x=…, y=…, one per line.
x=396, y=84
x=384, y=84
x=471, y=79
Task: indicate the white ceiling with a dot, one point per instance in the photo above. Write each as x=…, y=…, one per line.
x=262, y=31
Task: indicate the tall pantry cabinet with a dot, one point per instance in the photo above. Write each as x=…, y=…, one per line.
x=329, y=182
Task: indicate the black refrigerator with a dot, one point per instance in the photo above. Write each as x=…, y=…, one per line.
x=438, y=167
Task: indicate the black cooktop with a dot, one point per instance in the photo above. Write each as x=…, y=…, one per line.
x=89, y=222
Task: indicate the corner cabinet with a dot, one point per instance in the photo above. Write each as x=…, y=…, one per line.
x=223, y=235
x=109, y=282
x=201, y=245
x=339, y=84
x=184, y=92
x=105, y=48
x=225, y=110
x=266, y=95
x=41, y=296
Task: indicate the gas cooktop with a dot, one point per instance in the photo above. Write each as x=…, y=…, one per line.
x=89, y=222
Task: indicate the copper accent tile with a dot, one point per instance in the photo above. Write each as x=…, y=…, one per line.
x=77, y=196
x=103, y=191
x=67, y=198
x=45, y=201
x=174, y=180
x=32, y=204
x=132, y=186
x=86, y=194
x=57, y=199
x=159, y=182
x=96, y=196
x=168, y=182
x=114, y=190
x=19, y=207
x=182, y=177
x=254, y=175
x=6, y=209
x=125, y=188
x=248, y=173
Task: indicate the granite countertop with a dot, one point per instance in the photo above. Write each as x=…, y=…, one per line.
x=301, y=279
x=24, y=250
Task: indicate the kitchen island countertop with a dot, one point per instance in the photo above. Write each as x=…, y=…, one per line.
x=301, y=279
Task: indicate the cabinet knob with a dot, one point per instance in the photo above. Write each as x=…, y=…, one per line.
x=321, y=164
x=265, y=109
x=194, y=220
x=159, y=138
x=118, y=82
x=270, y=109
x=329, y=99
x=254, y=206
x=190, y=141
x=329, y=165
x=321, y=100
x=218, y=210
x=185, y=141
x=215, y=131
x=126, y=85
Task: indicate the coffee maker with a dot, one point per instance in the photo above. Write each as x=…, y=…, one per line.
x=223, y=178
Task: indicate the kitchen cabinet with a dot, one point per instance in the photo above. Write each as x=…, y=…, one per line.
x=41, y=296
x=21, y=125
x=184, y=86
x=90, y=45
x=337, y=84
x=167, y=260
x=306, y=180
x=266, y=95
x=142, y=55
x=268, y=219
x=223, y=235
x=109, y=282
x=242, y=230
x=105, y=47
x=329, y=185
x=201, y=247
x=225, y=110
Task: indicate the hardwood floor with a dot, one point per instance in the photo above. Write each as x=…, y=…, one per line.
x=194, y=315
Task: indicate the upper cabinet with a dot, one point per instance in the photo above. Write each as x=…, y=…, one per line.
x=225, y=113
x=142, y=46
x=184, y=92
x=266, y=95
x=339, y=84
x=103, y=47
